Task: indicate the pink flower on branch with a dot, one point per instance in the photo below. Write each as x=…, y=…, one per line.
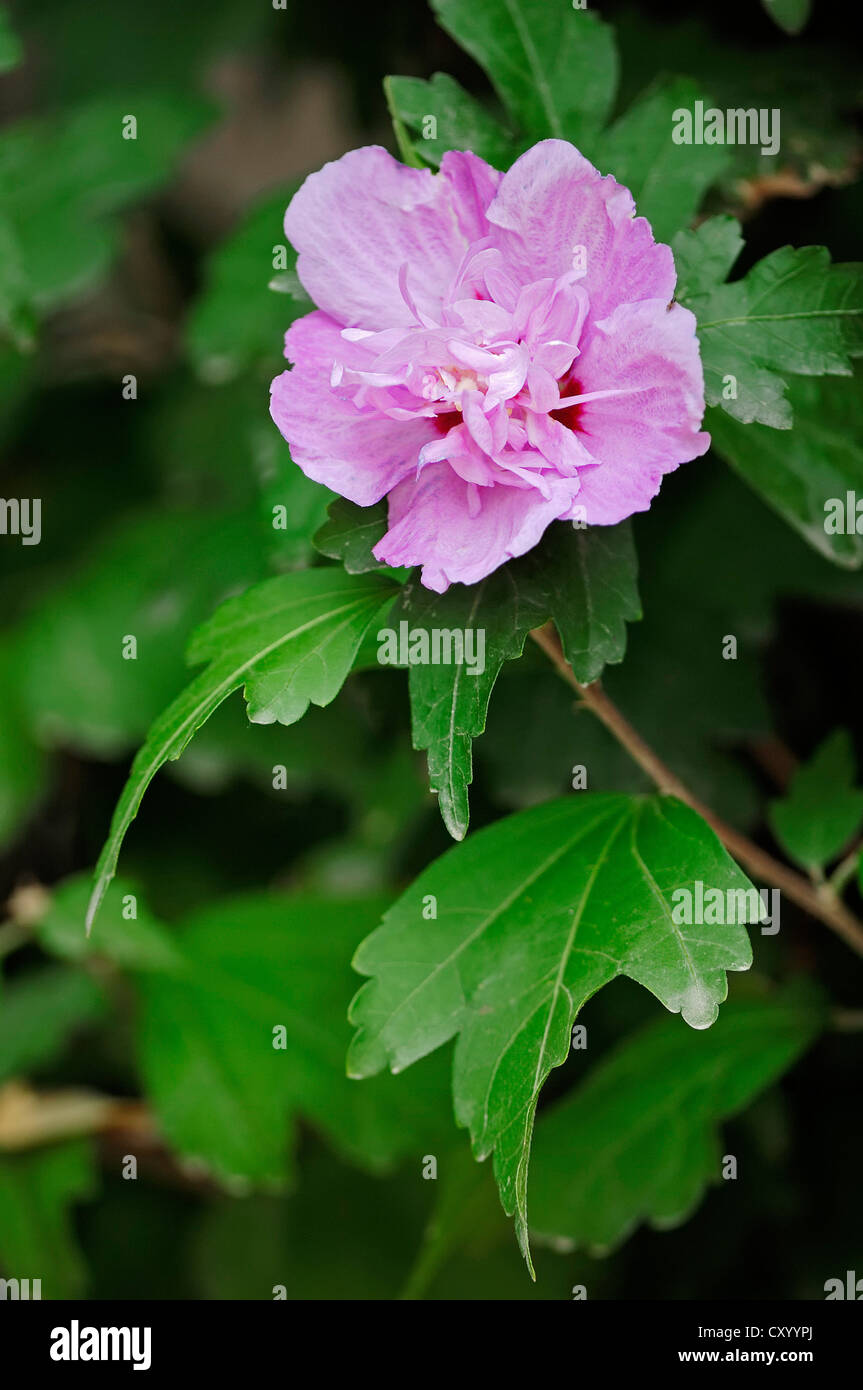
x=491, y=352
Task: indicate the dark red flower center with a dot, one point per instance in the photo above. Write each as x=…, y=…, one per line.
x=570, y=415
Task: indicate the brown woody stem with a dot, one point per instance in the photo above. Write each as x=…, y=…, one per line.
x=821, y=903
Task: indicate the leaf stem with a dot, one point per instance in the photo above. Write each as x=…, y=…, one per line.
x=408, y=154
x=845, y=870
x=819, y=903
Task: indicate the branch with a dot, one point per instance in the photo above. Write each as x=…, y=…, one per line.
x=30, y=1119
x=818, y=902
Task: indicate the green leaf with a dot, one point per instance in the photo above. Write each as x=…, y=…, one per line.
x=638, y=1139
x=589, y=577
x=40, y=1012
x=37, y=1241
x=534, y=915
x=290, y=641
x=135, y=943
x=64, y=175
x=792, y=312
x=241, y=316
x=821, y=810
x=790, y=15
x=449, y=702
x=807, y=474
x=460, y=121
x=703, y=258
x=668, y=181
x=350, y=534
x=585, y=579
x=554, y=67
x=294, y=637
x=223, y=1090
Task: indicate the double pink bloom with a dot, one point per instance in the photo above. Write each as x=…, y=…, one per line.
x=492, y=352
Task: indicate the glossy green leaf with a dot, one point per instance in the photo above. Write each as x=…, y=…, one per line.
x=553, y=66
x=533, y=916
x=441, y=116
x=449, y=701
x=589, y=578
x=703, y=257
x=290, y=642
x=350, y=533
x=793, y=312
x=584, y=579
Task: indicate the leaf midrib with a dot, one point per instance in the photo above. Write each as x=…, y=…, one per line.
x=543, y=90
x=493, y=915
x=780, y=318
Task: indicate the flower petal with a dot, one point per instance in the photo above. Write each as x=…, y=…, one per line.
x=357, y=221
x=461, y=537
x=650, y=353
x=474, y=184
x=360, y=453
x=553, y=202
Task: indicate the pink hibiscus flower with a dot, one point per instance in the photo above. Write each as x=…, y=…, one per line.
x=492, y=352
